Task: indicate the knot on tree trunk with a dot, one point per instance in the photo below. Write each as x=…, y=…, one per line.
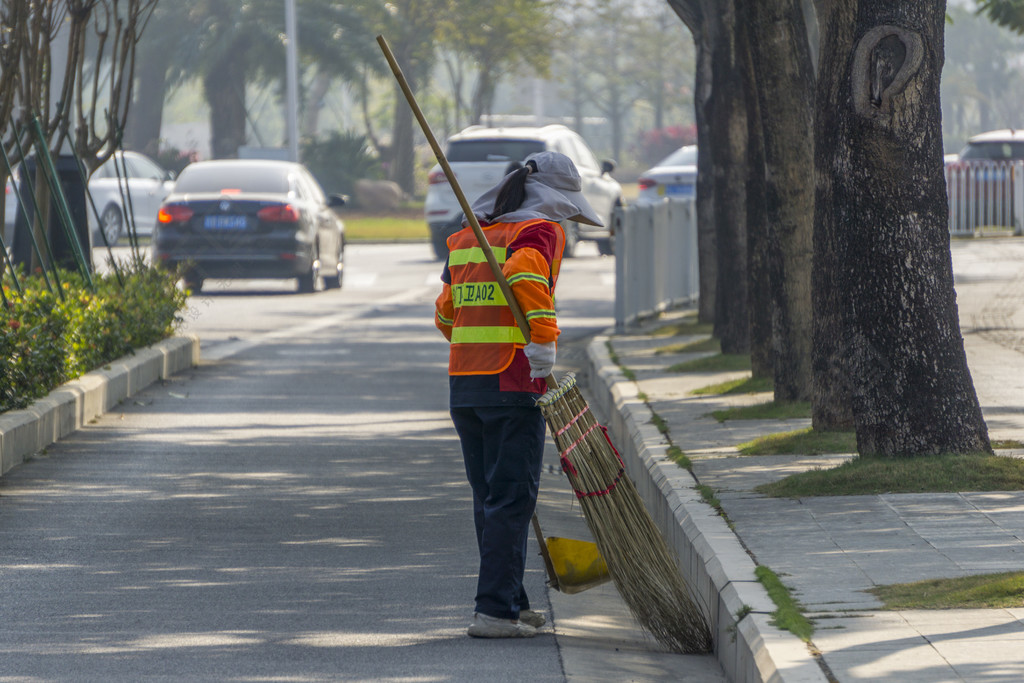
x=885, y=59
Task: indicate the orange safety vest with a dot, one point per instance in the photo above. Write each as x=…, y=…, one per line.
x=484, y=332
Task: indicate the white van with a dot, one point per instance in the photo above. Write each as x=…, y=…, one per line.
x=480, y=158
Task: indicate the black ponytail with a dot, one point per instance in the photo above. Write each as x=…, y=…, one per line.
x=513, y=192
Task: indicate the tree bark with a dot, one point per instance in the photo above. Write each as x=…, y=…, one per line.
x=832, y=397
x=692, y=13
x=145, y=119
x=224, y=87
x=314, y=101
x=785, y=80
x=883, y=230
x=729, y=155
x=760, y=250
x=403, y=154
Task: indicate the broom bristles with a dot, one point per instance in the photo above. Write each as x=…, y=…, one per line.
x=639, y=561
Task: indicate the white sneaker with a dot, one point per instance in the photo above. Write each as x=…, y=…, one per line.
x=534, y=619
x=484, y=626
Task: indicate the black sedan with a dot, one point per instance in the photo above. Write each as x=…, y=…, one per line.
x=251, y=218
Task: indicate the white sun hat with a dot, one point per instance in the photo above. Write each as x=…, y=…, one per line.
x=552, y=193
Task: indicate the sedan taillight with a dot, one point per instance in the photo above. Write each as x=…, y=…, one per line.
x=646, y=183
x=279, y=213
x=437, y=178
x=174, y=213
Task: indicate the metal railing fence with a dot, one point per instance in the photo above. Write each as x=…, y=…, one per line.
x=656, y=264
x=655, y=258
x=985, y=196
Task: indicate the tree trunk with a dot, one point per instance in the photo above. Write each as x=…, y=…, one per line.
x=145, y=119
x=729, y=156
x=832, y=397
x=884, y=230
x=224, y=87
x=693, y=13
x=707, y=238
x=402, y=151
x=760, y=251
x=314, y=101
x=785, y=78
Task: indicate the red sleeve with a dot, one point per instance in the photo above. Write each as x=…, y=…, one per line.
x=528, y=270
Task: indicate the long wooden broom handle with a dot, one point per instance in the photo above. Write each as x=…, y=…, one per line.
x=517, y=312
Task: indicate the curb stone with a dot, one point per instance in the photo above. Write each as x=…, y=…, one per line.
x=720, y=571
x=73, y=404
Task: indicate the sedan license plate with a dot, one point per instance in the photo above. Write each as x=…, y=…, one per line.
x=224, y=223
x=679, y=190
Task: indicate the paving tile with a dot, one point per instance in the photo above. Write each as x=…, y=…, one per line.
x=966, y=625
x=908, y=665
x=885, y=631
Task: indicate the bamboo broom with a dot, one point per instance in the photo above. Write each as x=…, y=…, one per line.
x=639, y=561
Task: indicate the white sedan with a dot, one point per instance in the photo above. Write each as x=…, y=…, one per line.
x=673, y=176
x=126, y=179
x=135, y=180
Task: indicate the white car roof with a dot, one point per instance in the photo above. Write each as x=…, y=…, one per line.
x=510, y=132
x=1002, y=135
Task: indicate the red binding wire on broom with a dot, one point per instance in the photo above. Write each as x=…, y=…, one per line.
x=564, y=429
x=567, y=466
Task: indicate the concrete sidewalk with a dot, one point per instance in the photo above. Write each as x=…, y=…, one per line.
x=828, y=550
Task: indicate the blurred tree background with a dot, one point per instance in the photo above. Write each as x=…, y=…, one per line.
x=211, y=82
x=210, y=78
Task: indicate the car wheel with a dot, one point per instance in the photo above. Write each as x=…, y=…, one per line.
x=194, y=283
x=440, y=243
x=604, y=247
x=334, y=282
x=307, y=281
x=111, y=223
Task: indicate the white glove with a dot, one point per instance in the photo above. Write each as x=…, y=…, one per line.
x=541, y=357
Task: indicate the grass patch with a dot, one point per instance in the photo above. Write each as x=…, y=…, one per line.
x=708, y=495
x=676, y=455
x=699, y=346
x=748, y=385
x=659, y=422
x=686, y=326
x=364, y=227
x=773, y=410
x=627, y=373
x=989, y=591
x=801, y=442
x=788, y=614
x=1007, y=443
x=722, y=362
x=867, y=475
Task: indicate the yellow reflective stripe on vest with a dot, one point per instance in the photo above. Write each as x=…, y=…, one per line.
x=478, y=294
x=462, y=257
x=487, y=335
x=529, y=277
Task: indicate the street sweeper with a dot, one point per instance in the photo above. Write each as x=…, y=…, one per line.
x=496, y=374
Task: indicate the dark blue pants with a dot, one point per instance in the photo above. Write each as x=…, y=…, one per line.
x=503, y=448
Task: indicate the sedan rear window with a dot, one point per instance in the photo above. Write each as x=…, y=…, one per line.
x=219, y=178
x=493, y=150
x=684, y=156
x=999, y=151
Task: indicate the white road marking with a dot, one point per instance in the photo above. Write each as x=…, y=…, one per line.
x=222, y=351
x=361, y=280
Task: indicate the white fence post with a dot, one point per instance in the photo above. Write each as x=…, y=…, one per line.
x=623, y=248
x=1017, y=173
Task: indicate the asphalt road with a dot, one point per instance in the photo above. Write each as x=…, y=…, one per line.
x=293, y=509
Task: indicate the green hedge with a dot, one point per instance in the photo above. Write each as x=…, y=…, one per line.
x=46, y=340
